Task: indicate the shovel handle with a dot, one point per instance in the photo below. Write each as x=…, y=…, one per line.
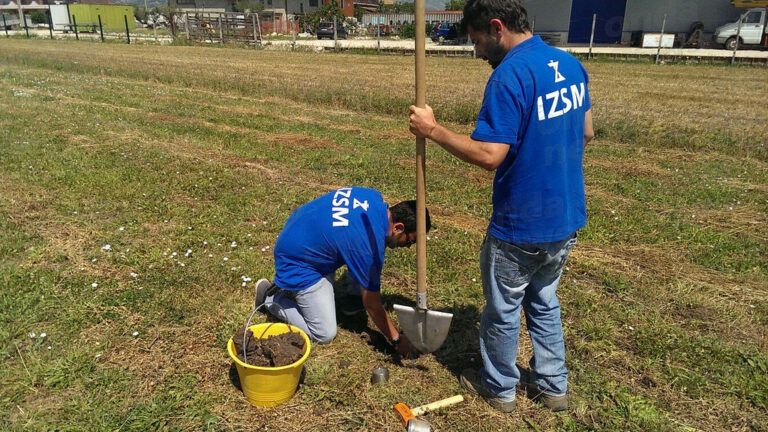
x=421, y=206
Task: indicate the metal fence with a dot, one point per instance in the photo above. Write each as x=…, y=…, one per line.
x=218, y=27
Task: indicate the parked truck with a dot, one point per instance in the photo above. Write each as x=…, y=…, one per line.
x=751, y=29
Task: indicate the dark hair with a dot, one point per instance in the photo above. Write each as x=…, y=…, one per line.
x=479, y=13
x=405, y=212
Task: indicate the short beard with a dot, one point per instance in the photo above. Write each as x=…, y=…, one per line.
x=390, y=242
x=495, y=53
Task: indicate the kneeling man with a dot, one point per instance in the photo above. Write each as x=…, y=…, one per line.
x=349, y=226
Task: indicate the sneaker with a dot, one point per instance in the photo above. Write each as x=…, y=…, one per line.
x=351, y=305
x=554, y=403
x=472, y=383
x=262, y=286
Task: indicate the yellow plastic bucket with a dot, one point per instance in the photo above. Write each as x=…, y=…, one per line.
x=269, y=386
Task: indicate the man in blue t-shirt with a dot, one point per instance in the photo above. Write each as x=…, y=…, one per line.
x=532, y=127
x=349, y=226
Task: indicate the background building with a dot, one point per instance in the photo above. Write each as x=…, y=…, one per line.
x=622, y=21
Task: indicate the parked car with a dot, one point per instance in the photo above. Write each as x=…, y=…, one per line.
x=446, y=31
x=325, y=30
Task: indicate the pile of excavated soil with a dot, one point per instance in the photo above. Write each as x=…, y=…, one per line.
x=272, y=351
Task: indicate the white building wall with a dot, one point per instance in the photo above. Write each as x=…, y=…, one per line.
x=647, y=15
x=550, y=19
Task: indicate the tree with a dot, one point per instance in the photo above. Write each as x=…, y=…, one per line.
x=359, y=13
x=405, y=7
x=326, y=13
x=39, y=17
x=408, y=30
x=455, y=5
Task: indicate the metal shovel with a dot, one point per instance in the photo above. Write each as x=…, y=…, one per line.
x=425, y=329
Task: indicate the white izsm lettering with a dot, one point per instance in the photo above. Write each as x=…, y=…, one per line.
x=341, y=207
x=569, y=102
x=357, y=204
x=558, y=76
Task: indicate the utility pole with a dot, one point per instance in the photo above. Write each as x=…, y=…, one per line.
x=146, y=19
x=21, y=15
x=661, y=37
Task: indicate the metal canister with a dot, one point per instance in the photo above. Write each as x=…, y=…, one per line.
x=380, y=375
x=416, y=425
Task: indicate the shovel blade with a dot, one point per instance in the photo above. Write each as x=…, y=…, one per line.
x=426, y=329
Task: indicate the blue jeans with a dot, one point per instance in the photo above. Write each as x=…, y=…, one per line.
x=312, y=310
x=522, y=275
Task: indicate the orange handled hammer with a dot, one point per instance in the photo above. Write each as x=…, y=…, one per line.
x=407, y=414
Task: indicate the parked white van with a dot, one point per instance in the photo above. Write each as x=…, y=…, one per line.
x=752, y=32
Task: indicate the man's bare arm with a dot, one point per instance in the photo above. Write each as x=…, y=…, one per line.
x=589, y=131
x=486, y=155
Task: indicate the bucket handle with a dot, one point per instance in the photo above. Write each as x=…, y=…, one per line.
x=271, y=291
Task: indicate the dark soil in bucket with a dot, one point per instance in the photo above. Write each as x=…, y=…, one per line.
x=272, y=351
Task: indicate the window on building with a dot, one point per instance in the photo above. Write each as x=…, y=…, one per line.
x=301, y=7
x=313, y=3
x=341, y=5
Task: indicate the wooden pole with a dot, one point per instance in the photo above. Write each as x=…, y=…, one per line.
x=661, y=37
x=258, y=24
x=736, y=45
x=5, y=25
x=255, y=40
x=127, y=32
x=421, y=206
x=592, y=35
x=101, y=29
x=221, y=31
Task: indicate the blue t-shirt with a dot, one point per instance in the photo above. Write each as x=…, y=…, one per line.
x=535, y=101
x=346, y=226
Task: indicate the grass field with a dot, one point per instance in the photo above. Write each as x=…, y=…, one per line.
x=170, y=154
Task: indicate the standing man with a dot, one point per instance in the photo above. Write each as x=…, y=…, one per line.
x=349, y=226
x=532, y=128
